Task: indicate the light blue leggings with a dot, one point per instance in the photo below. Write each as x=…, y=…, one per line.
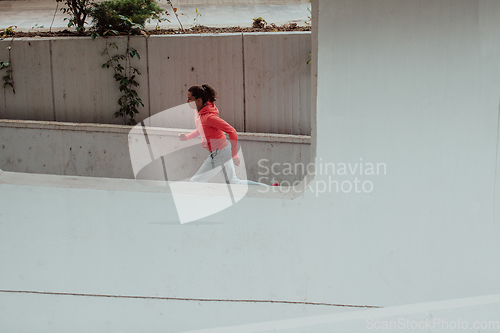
x=221, y=160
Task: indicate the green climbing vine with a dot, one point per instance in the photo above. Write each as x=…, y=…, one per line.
x=118, y=17
x=126, y=76
x=8, y=79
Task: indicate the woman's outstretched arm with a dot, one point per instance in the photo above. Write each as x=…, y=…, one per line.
x=192, y=135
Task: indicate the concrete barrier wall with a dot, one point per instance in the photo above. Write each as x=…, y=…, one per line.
x=102, y=151
x=61, y=79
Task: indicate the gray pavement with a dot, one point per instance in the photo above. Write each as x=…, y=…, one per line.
x=41, y=15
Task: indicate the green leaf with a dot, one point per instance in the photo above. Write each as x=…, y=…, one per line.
x=114, y=32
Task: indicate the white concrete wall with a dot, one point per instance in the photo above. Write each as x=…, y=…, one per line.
x=91, y=150
x=61, y=79
x=413, y=84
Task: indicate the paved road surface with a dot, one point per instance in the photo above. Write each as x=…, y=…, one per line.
x=38, y=15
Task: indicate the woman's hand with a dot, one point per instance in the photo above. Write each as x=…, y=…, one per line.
x=236, y=161
x=182, y=137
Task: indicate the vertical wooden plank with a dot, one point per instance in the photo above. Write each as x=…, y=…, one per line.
x=295, y=92
x=289, y=62
x=194, y=52
x=226, y=76
x=216, y=52
x=277, y=80
x=271, y=106
x=281, y=87
x=155, y=90
x=248, y=98
x=237, y=83
x=239, y=97
x=30, y=61
x=185, y=55
x=264, y=106
x=305, y=86
x=226, y=91
x=285, y=63
x=253, y=76
x=249, y=83
x=86, y=92
x=197, y=59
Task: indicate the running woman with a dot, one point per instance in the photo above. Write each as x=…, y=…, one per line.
x=212, y=128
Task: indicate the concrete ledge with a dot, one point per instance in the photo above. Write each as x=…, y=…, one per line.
x=277, y=33
x=123, y=129
x=103, y=151
x=64, y=126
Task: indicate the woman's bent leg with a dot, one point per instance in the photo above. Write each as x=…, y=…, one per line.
x=205, y=172
x=212, y=166
x=231, y=173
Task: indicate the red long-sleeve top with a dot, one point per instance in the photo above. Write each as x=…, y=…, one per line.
x=212, y=128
